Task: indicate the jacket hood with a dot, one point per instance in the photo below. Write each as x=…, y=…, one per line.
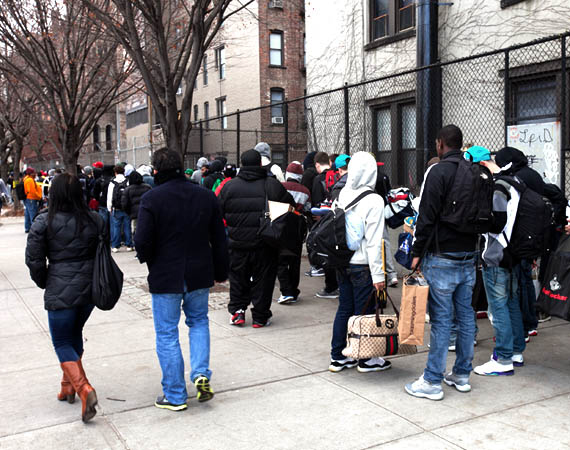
x=252, y=173
x=309, y=160
x=511, y=155
x=215, y=166
x=362, y=172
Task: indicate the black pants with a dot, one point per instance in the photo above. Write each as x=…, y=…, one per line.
x=331, y=283
x=252, y=279
x=288, y=273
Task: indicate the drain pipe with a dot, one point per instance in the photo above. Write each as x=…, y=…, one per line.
x=428, y=83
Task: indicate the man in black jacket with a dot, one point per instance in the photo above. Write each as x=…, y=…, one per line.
x=215, y=174
x=99, y=193
x=449, y=268
x=181, y=237
x=253, y=264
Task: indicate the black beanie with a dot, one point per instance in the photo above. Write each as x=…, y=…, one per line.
x=251, y=158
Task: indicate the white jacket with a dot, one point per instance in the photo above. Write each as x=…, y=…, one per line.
x=362, y=174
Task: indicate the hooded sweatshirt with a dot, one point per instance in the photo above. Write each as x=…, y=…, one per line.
x=367, y=215
x=520, y=168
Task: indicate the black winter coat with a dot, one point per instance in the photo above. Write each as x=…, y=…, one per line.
x=131, y=199
x=180, y=235
x=243, y=204
x=68, y=276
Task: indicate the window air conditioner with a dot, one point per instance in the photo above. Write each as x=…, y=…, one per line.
x=277, y=120
x=276, y=4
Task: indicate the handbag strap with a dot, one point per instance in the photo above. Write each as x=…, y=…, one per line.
x=378, y=308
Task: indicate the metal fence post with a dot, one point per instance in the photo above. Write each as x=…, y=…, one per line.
x=238, y=140
x=346, y=120
x=286, y=120
x=201, y=139
x=507, y=98
x=563, y=118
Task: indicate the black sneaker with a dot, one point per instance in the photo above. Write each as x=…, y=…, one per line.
x=163, y=403
x=257, y=324
x=323, y=293
x=238, y=318
x=203, y=389
x=337, y=365
x=373, y=365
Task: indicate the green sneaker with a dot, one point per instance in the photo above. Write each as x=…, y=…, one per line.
x=204, y=389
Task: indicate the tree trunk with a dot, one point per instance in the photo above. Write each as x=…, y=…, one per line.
x=17, y=146
x=71, y=150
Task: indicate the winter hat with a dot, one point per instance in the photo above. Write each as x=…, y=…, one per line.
x=189, y=172
x=477, y=154
x=294, y=171
x=342, y=161
x=251, y=158
x=98, y=165
x=230, y=171
x=88, y=170
x=135, y=178
x=144, y=170
x=511, y=155
x=309, y=160
x=223, y=160
x=202, y=162
x=129, y=169
x=263, y=149
x=30, y=170
x=216, y=166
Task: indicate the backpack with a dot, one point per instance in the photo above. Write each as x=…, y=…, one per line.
x=20, y=191
x=331, y=177
x=468, y=206
x=118, y=193
x=532, y=223
x=326, y=243
x=559, y=203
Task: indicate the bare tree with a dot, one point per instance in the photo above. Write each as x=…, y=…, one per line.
x=167, y=39
x=71, y=66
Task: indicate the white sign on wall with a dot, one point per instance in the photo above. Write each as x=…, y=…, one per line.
x=540, y=142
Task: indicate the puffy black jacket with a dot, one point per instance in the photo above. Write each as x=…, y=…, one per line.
x=100, y=188
x=67, y=279
x=242, y=201
x=131, y=199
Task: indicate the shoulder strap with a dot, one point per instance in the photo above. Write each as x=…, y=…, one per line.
x=357, y=199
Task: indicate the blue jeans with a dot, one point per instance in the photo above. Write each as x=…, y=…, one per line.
x=120, y=222
x=30, y=212
x=502, y=294
x=104, y=213
x=66, y=329
x=526, y=295
x=355, y=286
x=166, y=314
x=450, y=287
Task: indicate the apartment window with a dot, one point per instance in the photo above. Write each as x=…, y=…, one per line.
x=207, y=115
x=137, y=117
x=394, y=132
x=195, y=113
x=277, y=95
x=96, y=138
x=390, y=17
x=221, y=110
x=276, y=48
x=221, y=62
x=276, y=4
x=534, y=100
x=109, y=137
x=205, y=69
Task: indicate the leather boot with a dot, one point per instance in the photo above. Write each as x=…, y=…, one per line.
x=76, y=375
x=67, y=392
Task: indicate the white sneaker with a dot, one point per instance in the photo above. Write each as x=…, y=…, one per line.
x=130, y=249
x=393, y=282
x=373, y=365
x=494, y=368
x=424, y=389
x=115, y=250
x=427, y=318
x=286, y=299
x=518, y=360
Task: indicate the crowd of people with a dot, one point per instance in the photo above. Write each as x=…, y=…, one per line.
x=196, y=227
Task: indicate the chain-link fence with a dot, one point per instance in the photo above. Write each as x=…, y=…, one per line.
x=516, y=97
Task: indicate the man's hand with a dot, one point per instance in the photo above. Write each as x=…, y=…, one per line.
x=415, y=263
x=379, y=286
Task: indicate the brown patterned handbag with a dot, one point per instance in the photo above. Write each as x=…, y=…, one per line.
x=375, y=335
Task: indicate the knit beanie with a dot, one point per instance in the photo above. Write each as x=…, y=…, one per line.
x=264, y=149
x=251, y=158
x=294, y=171
x=201, y=162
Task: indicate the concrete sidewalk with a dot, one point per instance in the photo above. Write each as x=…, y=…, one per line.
x=272, y=386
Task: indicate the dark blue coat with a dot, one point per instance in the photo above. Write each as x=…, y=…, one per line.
x=181, y=237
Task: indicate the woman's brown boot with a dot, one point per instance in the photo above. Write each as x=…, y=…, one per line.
x=75, y=374
x=67, y=392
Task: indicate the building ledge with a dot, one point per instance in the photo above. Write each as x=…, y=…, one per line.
x=390, y=39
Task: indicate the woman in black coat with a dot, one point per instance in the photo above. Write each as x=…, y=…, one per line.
x=60, y=255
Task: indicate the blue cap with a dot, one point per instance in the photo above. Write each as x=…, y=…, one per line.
x=341, y=161
x=477, y=154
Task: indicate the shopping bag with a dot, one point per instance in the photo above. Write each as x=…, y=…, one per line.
x=413, y=310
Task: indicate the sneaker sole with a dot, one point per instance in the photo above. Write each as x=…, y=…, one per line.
x=326, y=296
x=518, y=364
x=435, y=397
x=171, y=407
x=335, y=369
x=373, y=369
x=459, y=387
x=508, y=373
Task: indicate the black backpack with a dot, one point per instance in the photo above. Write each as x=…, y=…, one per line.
x=468, y=205
x=326, y=243
x=118, y=193
x=532, y=224
x=559, y=203
x=20, y=191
